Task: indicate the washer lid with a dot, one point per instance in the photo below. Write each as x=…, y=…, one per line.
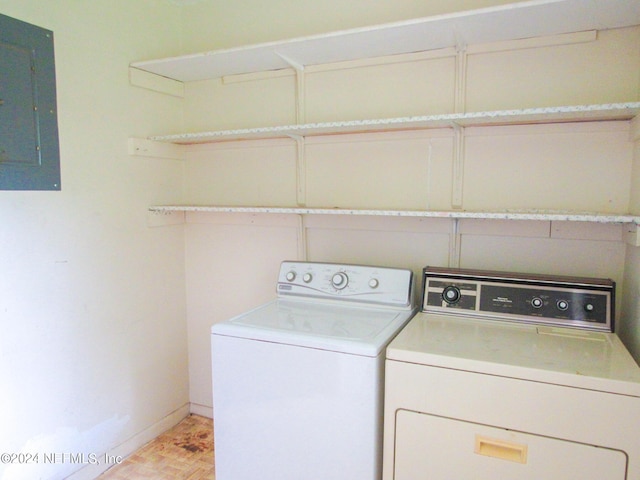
x=348, y=329
x=563, y=356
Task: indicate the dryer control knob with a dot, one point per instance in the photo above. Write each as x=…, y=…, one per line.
x=291, y=276
x=340, y=280
x=307, y=277
x=374, y=283
x=451, y=294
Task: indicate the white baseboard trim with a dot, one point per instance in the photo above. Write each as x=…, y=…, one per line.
x=201, y=410
x=129, y=446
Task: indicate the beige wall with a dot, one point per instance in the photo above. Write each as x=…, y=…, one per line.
x=93, y=345
x=105, y=321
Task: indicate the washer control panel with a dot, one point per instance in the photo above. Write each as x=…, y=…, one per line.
x=563, y=301
x=379, y=285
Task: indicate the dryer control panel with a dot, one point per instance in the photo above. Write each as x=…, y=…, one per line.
x=556, y=300
x=361, y=283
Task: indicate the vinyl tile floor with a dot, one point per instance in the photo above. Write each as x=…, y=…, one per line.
x=184, y=452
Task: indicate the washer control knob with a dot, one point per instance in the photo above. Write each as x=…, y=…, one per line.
x=291, y=276
x=451, y=294
x=340, y=280
x=536, y=302
x=562, y=305
x=589, y=307
x=374, y=283
x=307, y=277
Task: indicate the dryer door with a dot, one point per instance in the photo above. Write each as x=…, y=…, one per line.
x=440, y=448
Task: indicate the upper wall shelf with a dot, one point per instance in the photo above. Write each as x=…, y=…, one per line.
x=524, y=19
x=616, y=111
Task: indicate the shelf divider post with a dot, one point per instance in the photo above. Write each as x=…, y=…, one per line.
x=460, y=100
x=301, y=170
x=454, y=244
x=458, y=166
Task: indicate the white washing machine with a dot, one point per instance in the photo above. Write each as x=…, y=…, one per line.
x=298, y=382
x=515, y=377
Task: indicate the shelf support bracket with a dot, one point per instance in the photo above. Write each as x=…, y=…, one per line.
x=302, y=238
x=634, y=130
x=301, y=170
x=460, y=79
x=632, y=235
x=458, y=166
x=300, y=94
x=454, y=244
x=143, y=147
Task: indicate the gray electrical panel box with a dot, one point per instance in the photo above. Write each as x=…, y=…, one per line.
x=29, y=148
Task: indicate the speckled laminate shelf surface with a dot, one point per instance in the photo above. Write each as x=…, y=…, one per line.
x=544, y=215
x=560, y=114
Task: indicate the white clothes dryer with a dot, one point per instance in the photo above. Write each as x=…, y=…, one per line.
x=512, y=376
x=298, y=382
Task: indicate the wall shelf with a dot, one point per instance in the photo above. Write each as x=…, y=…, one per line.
x=574, y=113
x=519, y=20
x=539, y=215
x=525, y=19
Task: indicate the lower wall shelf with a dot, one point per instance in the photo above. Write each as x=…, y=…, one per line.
x=543, y=215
